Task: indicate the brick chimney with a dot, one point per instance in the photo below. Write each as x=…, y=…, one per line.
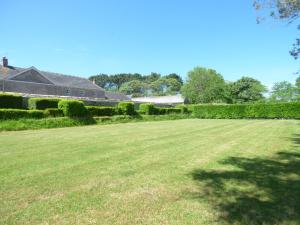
x=4, y=62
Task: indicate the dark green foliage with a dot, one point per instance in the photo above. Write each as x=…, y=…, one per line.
x=126, y=108
x=101, y=111
x=183, y=108
x=219, y=111
x=139, y=85
x=14, y=114
x=73, y=108
x=30, y=124
x=11, y=101
x=284, y=92
x=164, y=111
x=43, y=103
x=53, y=112
x=204, y=86
x=261, y=111
x=246, y=90
x=148, y=109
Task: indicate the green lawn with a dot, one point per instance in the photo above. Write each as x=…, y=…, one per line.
x=168, y=172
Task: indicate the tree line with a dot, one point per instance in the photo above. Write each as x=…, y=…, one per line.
x=137, y=85
x=201, y=86
x=207, y=86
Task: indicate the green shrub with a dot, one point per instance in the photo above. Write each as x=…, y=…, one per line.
x=164, y=111
x=11, y=101
x=219, y=111
x=259, y=111
x=14, y=114
x=126, y=108
x=27, y=124
x=148, y=109
x=183, y=108
x=43, y=103
x=101, y=111
x=73, y=108
x=53, y=112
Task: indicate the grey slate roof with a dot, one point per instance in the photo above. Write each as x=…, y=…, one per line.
x=57, y=79
x=116, y=96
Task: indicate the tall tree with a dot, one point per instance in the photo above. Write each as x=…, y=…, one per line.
x=286, y=10
x=152, y=77
x=175, y=76
x=204, y=86
x=165, y=86
x=246, y=89
x=136, y=88
x=101, y=79
x=283, y=91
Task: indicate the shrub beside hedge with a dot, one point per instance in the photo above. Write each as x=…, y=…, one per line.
x=43, y=103
x=101, y=111
x=53, y=112
x=73, y=108
x=148, y=109
x=11, y=101
x=261, y=111
x=183, y=108
x=14, y=114
x=126, y=108
x=164, y=111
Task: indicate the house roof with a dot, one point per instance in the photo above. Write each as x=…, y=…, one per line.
x=116, y=96
x=57, y=79
x=173, y=99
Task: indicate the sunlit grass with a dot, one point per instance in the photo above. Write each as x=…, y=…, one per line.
x=167, y=172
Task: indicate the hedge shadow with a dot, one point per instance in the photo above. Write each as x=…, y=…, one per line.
x=256, y=191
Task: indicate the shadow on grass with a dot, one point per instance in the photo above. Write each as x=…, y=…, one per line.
x=254, y=190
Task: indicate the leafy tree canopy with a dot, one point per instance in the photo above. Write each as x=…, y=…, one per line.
x=246, y=89
x=204, y=86
x=283, y=91
x=139, y=85
x=165, y=86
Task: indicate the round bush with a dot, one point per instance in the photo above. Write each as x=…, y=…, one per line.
x=73, y=108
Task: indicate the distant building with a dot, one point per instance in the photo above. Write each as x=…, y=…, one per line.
x=116, y=96
x=173, y=99
x=36, y=82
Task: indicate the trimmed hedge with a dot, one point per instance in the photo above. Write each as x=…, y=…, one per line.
x=43, y=103
x=101, y=111
x=14, y=114
x=126, y=108
x=259, y=111
x=8, y=101
x=53, y=112
x=164, y=111
x=183, y=108
x=148, y=109
x=73, y=108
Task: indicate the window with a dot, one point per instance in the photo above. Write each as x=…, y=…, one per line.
x=68, y=91
x=81, y=92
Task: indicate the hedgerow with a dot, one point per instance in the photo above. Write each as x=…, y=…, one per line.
x=260, y=111
x=15, y=114
x=101, y=111
x=73, y=108
x=43, y=103
x=126, y=108
x=164, y=111
x=8, y=101
x=53, y=112
x=148, y=109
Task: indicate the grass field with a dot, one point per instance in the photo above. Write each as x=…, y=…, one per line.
x=168, y=172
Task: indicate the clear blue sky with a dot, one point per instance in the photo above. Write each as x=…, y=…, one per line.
x=113, y=36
